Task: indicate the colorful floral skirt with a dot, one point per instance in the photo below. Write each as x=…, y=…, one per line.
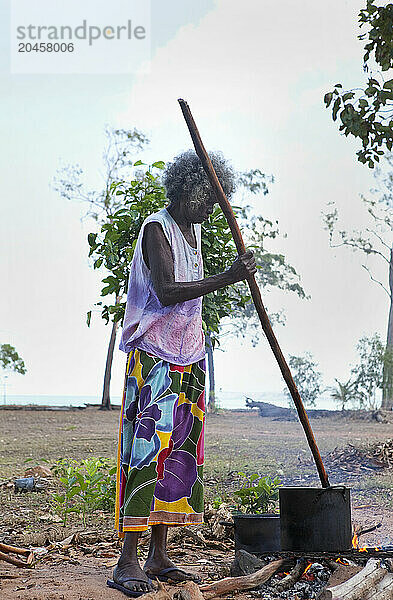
x=161, y=444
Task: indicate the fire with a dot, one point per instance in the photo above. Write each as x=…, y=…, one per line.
x=355, y=544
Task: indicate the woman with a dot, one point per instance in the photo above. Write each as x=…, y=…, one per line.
x=160, y=458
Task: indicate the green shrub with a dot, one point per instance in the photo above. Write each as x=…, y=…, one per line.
x=257, y=494
x=86, y=486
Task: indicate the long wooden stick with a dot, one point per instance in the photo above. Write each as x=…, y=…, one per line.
x=255, y=293
x=14, y=549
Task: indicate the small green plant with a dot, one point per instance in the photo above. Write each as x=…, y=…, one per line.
x=63, y=501
x=257, y=494
x=219, y=499
x=85, y=486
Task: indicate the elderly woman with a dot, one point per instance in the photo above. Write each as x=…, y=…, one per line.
x=160, y=458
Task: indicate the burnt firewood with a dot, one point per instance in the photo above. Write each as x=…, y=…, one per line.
x=293, y=576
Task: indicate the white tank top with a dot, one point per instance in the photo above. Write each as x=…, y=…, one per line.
x=173, y=333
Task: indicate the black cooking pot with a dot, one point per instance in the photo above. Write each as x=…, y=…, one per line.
x=257, y=533
x=315, y=519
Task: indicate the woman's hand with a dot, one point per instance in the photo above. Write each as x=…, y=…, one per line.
x=242, y=267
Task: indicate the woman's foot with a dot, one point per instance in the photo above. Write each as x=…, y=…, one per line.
x=132, y=577
x=164, y=569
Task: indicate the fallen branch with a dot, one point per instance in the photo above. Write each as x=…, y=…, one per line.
x=239, y=584
x=14, y=561
x=5, y=551
x=14, y=549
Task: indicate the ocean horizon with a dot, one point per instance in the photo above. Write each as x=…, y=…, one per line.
x=225, y=399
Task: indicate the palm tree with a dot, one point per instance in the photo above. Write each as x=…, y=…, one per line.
x=344, y=392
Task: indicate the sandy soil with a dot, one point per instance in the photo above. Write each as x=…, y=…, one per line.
x=235, y=441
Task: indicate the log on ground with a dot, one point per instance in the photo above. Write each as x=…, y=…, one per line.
x=239, y=584
x=358, y=586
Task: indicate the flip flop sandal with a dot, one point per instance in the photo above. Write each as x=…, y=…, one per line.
x=164, y=575
x=131, y=593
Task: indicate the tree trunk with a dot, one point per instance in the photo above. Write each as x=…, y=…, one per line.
x=210, y=363
x=387, y=392
x=106, y=399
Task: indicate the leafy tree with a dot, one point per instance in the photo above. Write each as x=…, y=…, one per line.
x=376, y=244
x=344, y=393
x=10, y=359
x=367, y=112
x=307, y=378
x=120, y=146
x=369, y=372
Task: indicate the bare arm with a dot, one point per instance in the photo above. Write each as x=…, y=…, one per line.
x=158, y=257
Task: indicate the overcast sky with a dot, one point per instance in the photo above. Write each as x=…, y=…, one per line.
x=254, y=74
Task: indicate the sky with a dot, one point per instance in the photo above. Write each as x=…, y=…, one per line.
x=254, y=74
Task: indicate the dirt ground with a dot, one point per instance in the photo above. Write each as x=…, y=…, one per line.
x=235, y=441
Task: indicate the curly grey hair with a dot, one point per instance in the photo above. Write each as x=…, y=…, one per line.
x=185, y=177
